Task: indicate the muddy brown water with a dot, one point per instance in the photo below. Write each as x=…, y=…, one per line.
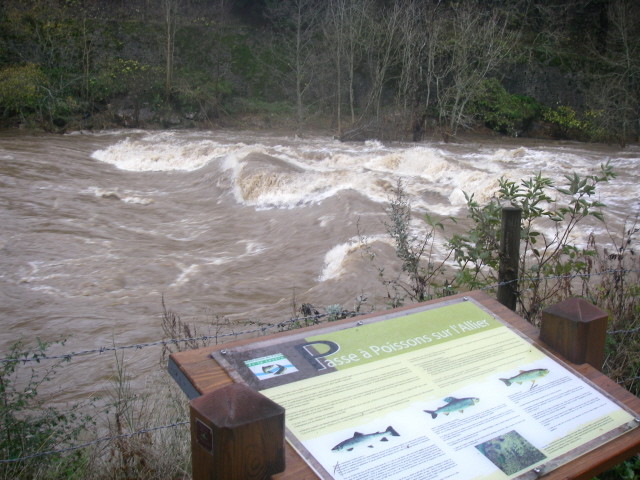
x=98, y=227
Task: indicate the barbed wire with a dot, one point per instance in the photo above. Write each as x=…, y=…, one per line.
x=566, y=276
x=172, y=341
x=264, y=328
x=91, y=443
x=616, y=332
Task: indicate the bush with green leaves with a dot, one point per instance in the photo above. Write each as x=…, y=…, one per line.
x=29, y=427
x=502, y=111
x=125, y=77
x=566, y=123
x=22, y=89
x=421, y=276
x=550, y=215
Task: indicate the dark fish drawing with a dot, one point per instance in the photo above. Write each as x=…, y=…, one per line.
x=273, y=369
x=454, y=405
x=526, y=376
x=361, y=439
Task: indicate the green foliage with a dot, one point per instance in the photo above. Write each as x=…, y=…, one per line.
x=334, y=312
x=550, y=214
x=419, y=279
x=434, y=60
x=29, y=426
x=197, y=92
x=628, y=470
x=22, y=88
x=504, y=112
x=125, y=77
x=567, y=123
x=479, y=246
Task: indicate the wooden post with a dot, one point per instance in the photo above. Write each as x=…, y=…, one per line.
x=509, y=257
x=575, y=329
x=236, y=434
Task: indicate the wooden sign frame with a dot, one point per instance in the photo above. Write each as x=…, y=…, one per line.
x=200, y=373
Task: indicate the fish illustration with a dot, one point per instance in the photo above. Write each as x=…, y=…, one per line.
x=453, y=405
x=273, y=369
x=526, y=376
x=365, y=439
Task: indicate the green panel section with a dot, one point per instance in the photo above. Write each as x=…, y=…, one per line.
x=395, y=336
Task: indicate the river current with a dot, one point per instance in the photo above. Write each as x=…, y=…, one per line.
x=98, y=227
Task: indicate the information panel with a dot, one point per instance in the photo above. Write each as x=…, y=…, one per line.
x=445, y=392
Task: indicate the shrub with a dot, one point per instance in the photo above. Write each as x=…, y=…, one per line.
x=504, y=112
x=21, y=89
x=29, y=426
x=125, y=77
x=543, y=204
x=421, y=276
x=569, y=124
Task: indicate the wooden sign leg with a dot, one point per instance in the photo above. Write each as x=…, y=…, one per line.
x=575, y=329
x=236, y=434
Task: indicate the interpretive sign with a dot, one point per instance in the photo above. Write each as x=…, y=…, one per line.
x=447, y=391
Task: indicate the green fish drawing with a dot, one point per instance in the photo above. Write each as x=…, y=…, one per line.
x=454, y=405
x=526, y=376
x=365, y=439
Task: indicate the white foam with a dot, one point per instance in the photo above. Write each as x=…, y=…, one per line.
x=137, y=200
x=326, y=220
x=185, y=274
x=161, y=153
x=287, y=190
x=115, y=194
x=335, y=260
x=253, y=248
x=306, y=171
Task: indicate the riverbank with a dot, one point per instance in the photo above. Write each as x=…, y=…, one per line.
x=390, y=128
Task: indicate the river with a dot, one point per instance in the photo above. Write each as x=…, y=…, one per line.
x=98, y=227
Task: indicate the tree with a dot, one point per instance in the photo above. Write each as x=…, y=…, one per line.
x=383, y=27
x=297, y=23
x=421, y=40
x=479, y=43
x=344, y=27
x=170, y=15
x=614, y=96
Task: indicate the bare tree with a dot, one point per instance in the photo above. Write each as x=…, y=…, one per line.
x=354, y=49
x=170, y=14
x=615, y=86
x=420, y=42
x=335, y=36
x=479, y=43
x=384, y=26
x=297, y=22
x=344, y=27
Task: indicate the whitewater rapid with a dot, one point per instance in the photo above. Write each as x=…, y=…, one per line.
x=99, y=228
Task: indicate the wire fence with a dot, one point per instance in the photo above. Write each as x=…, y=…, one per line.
x=291, y=323
x=92, y=443
x=262, y=329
